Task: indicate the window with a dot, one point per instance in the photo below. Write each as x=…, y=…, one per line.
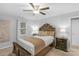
x=22, y=28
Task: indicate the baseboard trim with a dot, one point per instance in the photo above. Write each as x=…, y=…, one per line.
x=75, y=46
x=5, y=45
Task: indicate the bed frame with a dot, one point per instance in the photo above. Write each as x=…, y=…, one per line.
x=20, y=51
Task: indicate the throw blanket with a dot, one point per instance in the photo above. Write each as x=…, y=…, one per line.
x=37, y=42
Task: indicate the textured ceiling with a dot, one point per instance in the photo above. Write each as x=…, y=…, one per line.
x=16, y=9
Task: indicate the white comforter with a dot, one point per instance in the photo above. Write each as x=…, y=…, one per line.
x=30, y=47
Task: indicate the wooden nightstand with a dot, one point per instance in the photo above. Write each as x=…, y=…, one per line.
x=61, y=43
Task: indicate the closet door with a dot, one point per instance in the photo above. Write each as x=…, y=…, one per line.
x=75, y=32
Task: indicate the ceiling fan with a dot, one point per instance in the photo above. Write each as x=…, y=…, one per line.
x=37, y=9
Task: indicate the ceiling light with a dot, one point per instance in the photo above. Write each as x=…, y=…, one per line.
x=36, y=11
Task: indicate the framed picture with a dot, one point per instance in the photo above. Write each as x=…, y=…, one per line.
x=21, y=27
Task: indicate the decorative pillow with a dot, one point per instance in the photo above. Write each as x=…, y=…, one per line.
x=46, y=33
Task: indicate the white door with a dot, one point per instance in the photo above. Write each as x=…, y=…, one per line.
x=75, y=32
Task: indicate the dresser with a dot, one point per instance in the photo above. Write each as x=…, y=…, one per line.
x=61, y=43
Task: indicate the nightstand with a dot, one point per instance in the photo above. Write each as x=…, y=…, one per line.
x=61, y=43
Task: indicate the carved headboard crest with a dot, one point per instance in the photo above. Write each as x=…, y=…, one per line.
x=46, y=27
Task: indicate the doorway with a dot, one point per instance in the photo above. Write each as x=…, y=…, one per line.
x=75, y=32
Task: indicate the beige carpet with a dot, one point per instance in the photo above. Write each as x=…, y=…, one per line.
x=56, y=52
x=5, y=52
x=53, y=52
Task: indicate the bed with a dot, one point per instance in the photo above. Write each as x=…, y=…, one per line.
x=37, y=44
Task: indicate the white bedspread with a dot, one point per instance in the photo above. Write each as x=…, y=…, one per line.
x=47, y=39
x=30, y=47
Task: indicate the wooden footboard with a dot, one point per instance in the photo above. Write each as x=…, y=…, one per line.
x=19, y=51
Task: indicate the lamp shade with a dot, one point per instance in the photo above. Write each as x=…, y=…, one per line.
x=62, y=30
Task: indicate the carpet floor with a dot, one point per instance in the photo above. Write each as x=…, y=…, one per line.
x=56, y=52
x=53, y=52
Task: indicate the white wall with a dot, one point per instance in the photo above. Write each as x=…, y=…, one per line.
x=57, y=22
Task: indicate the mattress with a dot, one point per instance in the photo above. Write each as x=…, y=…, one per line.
x=30, y=47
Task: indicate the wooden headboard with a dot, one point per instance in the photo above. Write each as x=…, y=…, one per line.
x=47, y=29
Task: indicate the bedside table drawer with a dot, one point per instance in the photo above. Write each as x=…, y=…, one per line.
x=61, y=43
